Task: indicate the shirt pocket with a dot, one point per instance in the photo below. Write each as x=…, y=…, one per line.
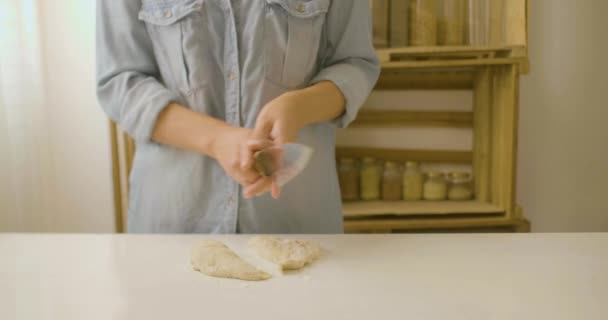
x=292, y=36
x=180, y=36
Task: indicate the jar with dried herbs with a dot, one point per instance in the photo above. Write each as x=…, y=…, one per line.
x=423, y=22
x=348, y=176
x=391, y=182
x=370, y=179
x=435, y=186
x=412, y=182
x=450, y=22
x=460, y=186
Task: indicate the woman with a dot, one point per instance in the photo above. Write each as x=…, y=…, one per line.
x=202, y=84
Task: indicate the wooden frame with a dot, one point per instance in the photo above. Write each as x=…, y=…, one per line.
x=492, y=73
x=123, y=153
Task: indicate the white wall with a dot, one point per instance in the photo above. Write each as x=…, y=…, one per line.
x=79, y=137
x=563, y=155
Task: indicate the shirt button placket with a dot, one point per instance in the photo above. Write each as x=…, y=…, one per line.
x=232, y=104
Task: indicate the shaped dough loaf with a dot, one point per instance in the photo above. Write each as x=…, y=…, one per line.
x=215, y=259
x=289, y=254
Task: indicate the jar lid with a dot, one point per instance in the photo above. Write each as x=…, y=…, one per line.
x=390, y=164
x=369, y=160
x=411, y=164
x=435, y=174
x=460, y=175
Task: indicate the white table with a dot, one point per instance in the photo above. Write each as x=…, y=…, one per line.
x=509, y=276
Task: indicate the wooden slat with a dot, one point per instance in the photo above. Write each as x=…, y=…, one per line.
x=118, y=192
x=497, y=25
x=405, y=208
x=435, y=80
x=504, y=113
x=510, y=113
x=456, y=157
x=363, y=225
x=404, y=65
x=389, y=54
x=384, y=119
x=123, y=153
x=516, y=22
x=481, y=134
x=380, y=20
x=398, y=30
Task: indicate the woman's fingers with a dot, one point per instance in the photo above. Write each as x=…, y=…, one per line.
x=251, y=147
x=264, y=184
x=275, y=189
x=262, y=129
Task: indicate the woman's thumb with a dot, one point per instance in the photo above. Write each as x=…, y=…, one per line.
x=262, y=130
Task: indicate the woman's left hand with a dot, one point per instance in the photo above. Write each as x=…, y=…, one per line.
x=279, y=121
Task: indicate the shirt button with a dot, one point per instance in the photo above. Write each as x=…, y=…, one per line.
x=230, y=200
x=300, y=7
x=168, y=14
x=232, y=76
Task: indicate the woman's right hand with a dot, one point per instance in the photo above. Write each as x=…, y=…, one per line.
x=233, y=149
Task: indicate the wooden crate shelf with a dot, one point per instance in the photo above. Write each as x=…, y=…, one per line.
x=453, y=52
x=358, y=209
x=445, y=63
x=387, y=119
x=427, y=79
x=402, y=155
x=467, y=224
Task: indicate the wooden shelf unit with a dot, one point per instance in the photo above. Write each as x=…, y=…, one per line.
x=357, y=209
x=492, y=73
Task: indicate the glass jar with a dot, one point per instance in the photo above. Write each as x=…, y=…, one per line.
x=391, y=182
x=423, y=22
x=348, y=176
x=412, y=182
x=435, y=187
x=370, y=179
x=460, y=186
x=450, y=23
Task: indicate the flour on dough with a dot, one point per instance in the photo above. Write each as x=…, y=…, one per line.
x=215, y=259
x=288, y=254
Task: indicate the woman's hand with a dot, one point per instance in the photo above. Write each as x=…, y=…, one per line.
x=234, y=150
x=279, y=121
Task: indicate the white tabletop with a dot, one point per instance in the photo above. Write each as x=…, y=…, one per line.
x=523, y=276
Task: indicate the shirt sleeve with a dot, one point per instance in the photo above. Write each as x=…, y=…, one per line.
x=128, y=88
x=351, y=62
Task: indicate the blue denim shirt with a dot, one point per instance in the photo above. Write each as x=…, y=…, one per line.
x=227, y=59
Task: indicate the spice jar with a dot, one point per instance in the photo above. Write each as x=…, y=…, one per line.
x=412, y=182
x=370, y=179
x=460, y=186
x=450, y=22
x=423, y=22
x=391, y=182
x=348, y=176
x=435, y=186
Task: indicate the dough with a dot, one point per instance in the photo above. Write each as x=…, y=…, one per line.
x=288, y=254
x=215, y=259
